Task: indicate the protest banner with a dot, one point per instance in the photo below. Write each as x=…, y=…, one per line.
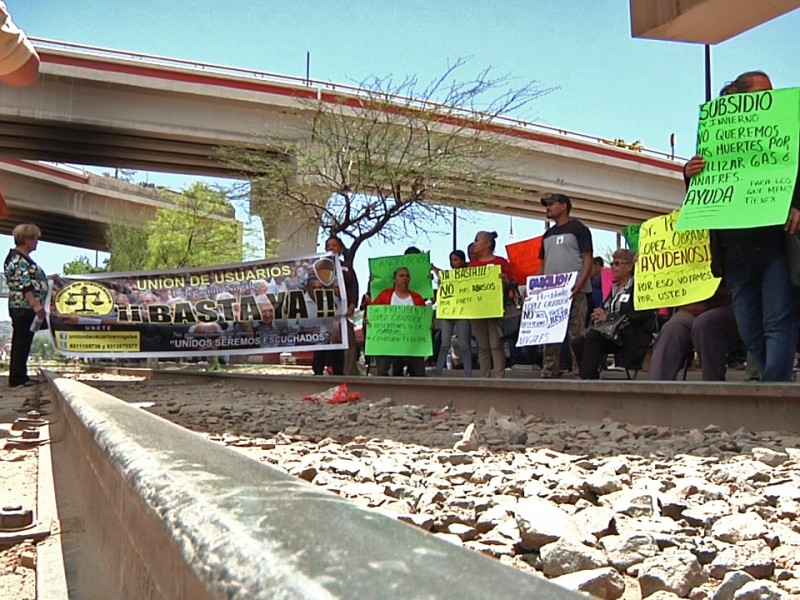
x=399, y=330
x=750, y=145
x=673, y=267
x=545, y=313
x=470, y=293
x=631, y=235
x=419, y=267
x=524, y=257
x=250, y=308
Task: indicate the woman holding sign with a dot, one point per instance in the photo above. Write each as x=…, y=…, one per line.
x=400, y=295
x=457, y=261
x=488, y=333
x=616, y=327
x=754, y=263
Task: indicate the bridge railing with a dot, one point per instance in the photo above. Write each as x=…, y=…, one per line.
x=320, y=85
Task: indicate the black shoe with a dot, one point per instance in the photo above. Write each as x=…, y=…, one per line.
x=28, y=383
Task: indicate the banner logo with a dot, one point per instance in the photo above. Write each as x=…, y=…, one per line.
x=325, y=271
x=85, y=298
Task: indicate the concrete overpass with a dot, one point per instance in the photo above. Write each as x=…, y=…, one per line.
x=702, y=21
x=101, y=107
x=71, y=206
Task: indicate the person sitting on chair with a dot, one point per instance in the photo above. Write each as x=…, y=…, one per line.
x=709, y=327
x=630, y=339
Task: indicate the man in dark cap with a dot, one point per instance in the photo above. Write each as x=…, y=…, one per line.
x=566, y=247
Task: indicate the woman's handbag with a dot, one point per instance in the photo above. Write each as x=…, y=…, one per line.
x=612, y=328
x=512, y=314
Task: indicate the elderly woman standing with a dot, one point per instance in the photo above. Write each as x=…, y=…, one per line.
x=488, y=334
x=594, y=345
x=27, y=285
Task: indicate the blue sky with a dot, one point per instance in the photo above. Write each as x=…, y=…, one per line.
x=608, y=84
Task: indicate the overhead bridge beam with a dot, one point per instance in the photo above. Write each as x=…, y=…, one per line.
x=115, y=148
x=702, y=21
x=75, y=208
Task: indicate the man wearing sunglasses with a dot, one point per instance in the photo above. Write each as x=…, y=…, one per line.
x=566, y=247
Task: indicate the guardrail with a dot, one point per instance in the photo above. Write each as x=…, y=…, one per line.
x=162, y=512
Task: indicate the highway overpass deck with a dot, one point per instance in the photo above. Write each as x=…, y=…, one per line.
x=73, y=206
x=102, y=107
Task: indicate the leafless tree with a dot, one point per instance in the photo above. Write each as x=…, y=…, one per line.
x=388, y=161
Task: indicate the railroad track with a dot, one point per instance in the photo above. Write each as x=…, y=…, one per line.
x=693, y=405
x=148, y=509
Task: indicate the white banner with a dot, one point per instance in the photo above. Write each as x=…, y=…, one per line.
x=545, y=314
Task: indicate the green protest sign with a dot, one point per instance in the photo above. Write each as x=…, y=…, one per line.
x=418, y=265
x=399, y=330
x=470, y=293
x=750, y=145
x=631, y=235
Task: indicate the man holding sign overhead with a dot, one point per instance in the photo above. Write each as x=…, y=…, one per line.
x=566, y=247
x=744, y=178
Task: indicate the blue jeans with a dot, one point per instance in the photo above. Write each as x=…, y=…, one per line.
x=464, y=334
x=765, y=305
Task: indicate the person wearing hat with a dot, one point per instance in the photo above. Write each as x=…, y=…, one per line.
x=566, y=247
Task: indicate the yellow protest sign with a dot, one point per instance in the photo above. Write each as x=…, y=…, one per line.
x=673, y=267
x=471, y=293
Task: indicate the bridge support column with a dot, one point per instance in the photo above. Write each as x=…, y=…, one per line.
x=290, y=231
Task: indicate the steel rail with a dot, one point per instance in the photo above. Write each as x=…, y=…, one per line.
x=149, y=509
x=163, y=512
x=692, y=405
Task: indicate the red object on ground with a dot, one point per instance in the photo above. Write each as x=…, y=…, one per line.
x=334, y=395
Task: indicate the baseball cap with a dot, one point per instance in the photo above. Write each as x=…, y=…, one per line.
x=550, y=198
